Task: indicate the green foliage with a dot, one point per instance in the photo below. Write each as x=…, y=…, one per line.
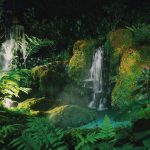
x=62, y=56
x=129, y=71
x=135, y=110
x=107, y=130
x=34, y=44
x=14, y=82
x=140, y=107
x=141, y=34
x=86, y=142
x=143, y=85
x=5, y=131
x=37, y=104
x=90, y=140
x=39, y=134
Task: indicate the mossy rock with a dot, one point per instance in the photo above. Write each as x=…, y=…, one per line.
x=126, y=65
x=36, y=104
x=70, y=116
x=132, y=64
x=81, y=60
x=50, y=79
x=117, y=43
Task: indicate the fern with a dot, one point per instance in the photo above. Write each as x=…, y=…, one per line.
x=86, y=142
x=34, y=44
x=41, y=133
x=11, y=84
x=25, y=142
x=6, y=130
x=89, y=141
x=107, y=130
x=132, y=28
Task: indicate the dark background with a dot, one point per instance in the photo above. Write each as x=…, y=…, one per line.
x=66, y=21
x=74, y=8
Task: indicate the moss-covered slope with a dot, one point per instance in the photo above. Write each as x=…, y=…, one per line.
x=126, y=63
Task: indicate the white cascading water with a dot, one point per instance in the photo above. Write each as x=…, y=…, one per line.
x=15, y=41
x=96, y=77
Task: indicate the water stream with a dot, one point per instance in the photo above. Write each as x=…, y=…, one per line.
x=95, y=81
x=15, y=41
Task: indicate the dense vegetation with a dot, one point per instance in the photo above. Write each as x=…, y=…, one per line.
x=43, y=104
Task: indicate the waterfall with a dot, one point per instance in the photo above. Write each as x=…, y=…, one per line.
x=15, y=41
x=96, y=81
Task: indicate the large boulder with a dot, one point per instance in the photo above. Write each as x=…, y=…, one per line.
x=70, y=116
x=126, y=65
x=81, y=60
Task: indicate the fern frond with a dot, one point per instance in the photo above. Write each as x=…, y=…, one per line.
x=6, y=130
x=107, y=130
x=25, y=142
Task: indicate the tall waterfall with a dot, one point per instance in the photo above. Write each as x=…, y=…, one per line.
x=96, y=81
x=15, y=41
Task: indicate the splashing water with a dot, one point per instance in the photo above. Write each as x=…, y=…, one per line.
x=15, y=42
x=96, y=78
x=8, y=103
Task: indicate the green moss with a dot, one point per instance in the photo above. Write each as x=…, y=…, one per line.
x=117, y=43
x=37, y=104
x=132, y=64
x=126, y=63
x=121, y=38
x=70, y=116
x=81, y=60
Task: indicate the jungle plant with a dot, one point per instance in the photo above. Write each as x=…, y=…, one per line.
x=143, y=88
x=141, y=34
x=107, y=130
x=107, y=133
x=34, y=44
x=62, y=56
x=12, y=83
x=6, y=130
x=39, y=134
x=140, y=107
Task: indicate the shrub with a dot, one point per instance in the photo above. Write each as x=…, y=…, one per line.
x=39, y=134
x=141, y=34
